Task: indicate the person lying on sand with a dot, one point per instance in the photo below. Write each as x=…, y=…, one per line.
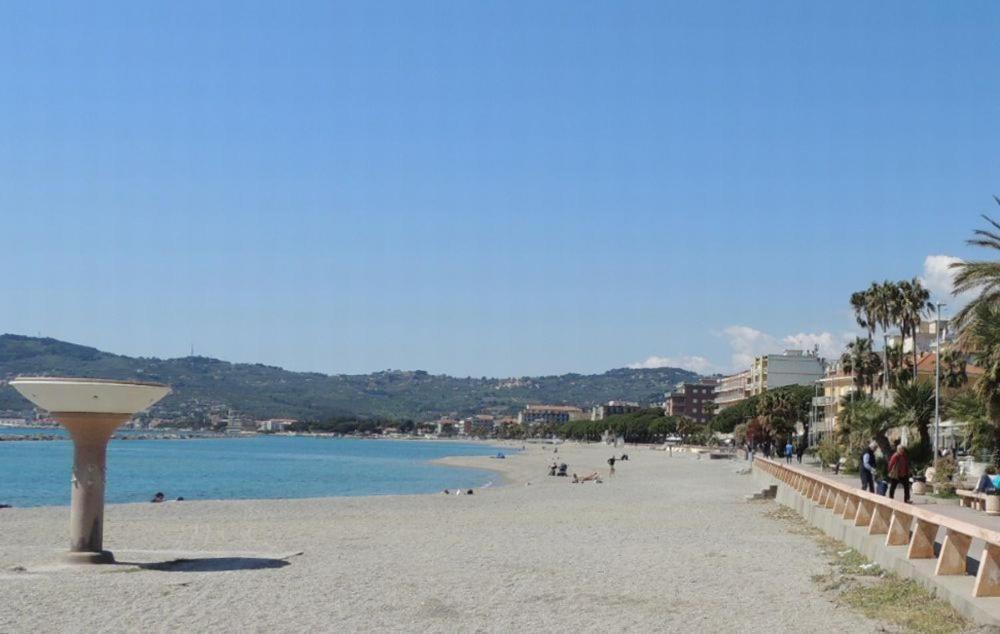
x=593, y=477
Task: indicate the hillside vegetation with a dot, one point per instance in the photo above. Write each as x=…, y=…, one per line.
x=202, y=385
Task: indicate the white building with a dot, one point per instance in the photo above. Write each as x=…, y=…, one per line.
x=275, y=424
x=613, y=408
x=793, y=367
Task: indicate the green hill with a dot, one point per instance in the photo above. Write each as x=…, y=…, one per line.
x=203, y=385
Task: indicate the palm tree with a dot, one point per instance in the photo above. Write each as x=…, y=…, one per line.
x=862, y=362
x=914, y=407
x=914, y=305
x=982, y=436
x=860, y=305
x=863, y=420
x=953, y=368
x=898, y=370
x=983, y=276
x=980, y=337
x=885, y=301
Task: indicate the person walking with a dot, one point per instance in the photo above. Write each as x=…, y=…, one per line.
x=868, y=468
x=789, y=451
x=899, y=473
x=801, y=450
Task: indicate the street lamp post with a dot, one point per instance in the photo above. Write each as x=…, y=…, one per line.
x=937, y=380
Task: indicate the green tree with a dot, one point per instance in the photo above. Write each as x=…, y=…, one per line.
x=979, y=275
x=953, y=368
x=914, y=305
x=861, y=361
x=980, y=337
x=777, y=416
x=864, y=419
x=981, y=435
x=913, y=406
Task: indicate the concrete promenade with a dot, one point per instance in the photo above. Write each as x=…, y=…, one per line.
x=952, y=551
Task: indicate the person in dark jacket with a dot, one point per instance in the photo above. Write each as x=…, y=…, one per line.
x=868, y=469
x=899, y=473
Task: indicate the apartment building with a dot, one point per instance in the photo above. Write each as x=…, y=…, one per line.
x=732, y=389
x=793, y=367
x=544, y=414
x=692, y=400
x=835, y=386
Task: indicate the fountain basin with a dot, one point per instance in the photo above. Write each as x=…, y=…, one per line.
x=98, y=396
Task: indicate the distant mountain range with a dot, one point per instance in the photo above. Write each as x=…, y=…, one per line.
x=203, y=386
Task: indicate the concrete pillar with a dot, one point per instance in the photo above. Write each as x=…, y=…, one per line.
x=954, y=550
x=90, y=434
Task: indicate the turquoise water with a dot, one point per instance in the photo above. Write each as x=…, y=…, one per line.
x=36, y=473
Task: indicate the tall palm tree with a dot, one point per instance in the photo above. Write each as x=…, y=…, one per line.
x=980, y=337
x=982, y=275
x=860, y=305
x=914, y=305
x=884, y=302
x=861, y=361
x=898, y=370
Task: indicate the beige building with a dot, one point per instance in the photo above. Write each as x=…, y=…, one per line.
x=835, y=385
x=731, y=390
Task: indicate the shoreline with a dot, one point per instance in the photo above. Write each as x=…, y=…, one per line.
x=472, y=462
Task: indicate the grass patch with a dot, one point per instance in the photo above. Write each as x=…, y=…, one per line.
x=905, y=603
x=862, y=585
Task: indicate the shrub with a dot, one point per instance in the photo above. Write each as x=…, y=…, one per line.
x=944, y=470
x=829, y=451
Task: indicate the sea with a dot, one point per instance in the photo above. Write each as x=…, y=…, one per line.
x=37, y=473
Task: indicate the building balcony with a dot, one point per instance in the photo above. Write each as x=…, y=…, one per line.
x=824, y=401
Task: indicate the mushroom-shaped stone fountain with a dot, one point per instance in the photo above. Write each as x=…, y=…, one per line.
x=91, y=409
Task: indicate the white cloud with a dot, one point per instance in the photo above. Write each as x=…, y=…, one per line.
x=939, y=279
x=747, y=343
x=701, y=365
x=830, y=346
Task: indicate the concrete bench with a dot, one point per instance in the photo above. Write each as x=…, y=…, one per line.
x=971, y=499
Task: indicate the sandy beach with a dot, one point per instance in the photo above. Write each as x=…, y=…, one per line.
x=667, y=544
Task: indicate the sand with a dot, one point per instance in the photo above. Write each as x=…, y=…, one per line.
x=667, y=544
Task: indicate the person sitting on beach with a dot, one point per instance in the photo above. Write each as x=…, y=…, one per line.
x=159, y=497
x=624, y=456
x=469, y=492
x=562, y=469
x=446, y=492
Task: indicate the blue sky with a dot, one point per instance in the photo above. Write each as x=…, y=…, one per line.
x=484, y=188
